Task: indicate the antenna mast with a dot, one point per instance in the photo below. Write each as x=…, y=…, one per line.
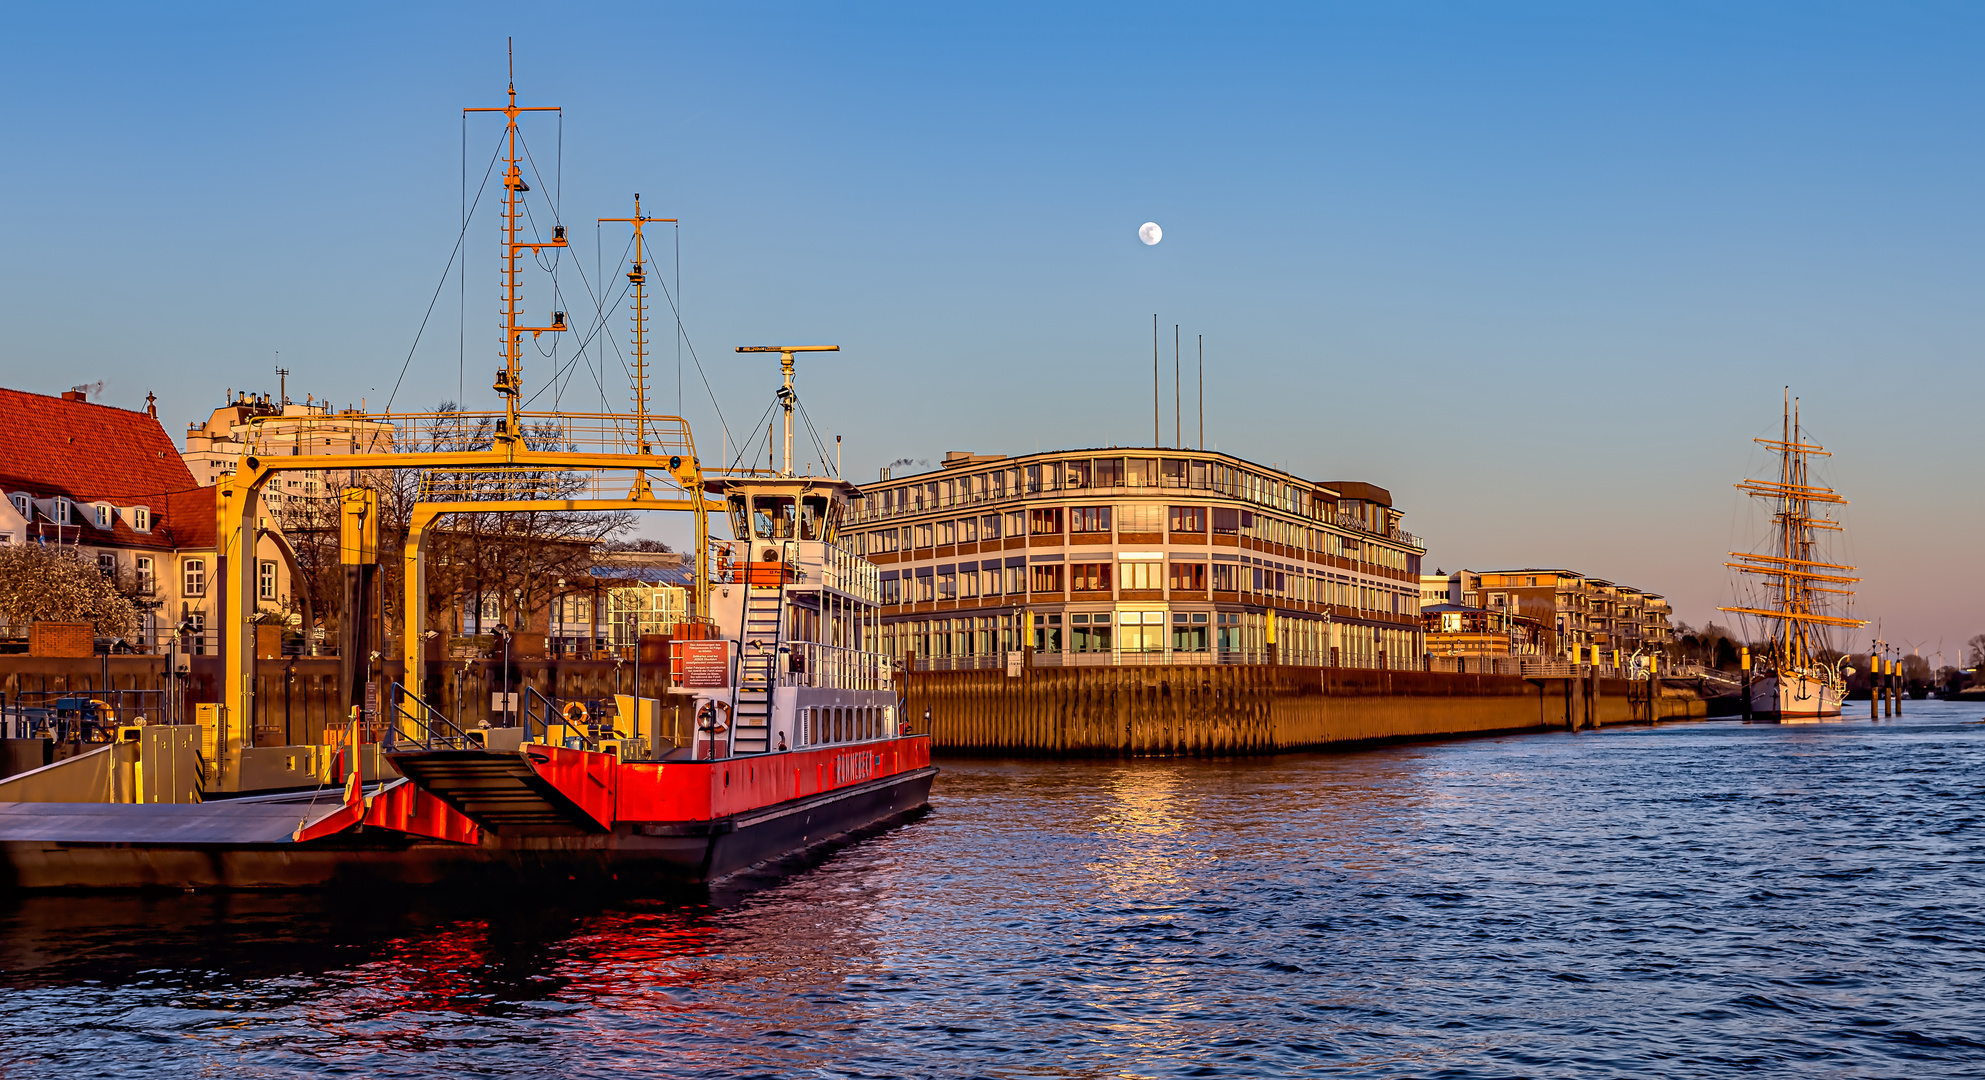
x=638, y=275
x=510, y=381
x=788, y=397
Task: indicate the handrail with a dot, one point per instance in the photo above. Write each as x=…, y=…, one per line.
x=450, y=738
x=550, y=714
x=813, y=663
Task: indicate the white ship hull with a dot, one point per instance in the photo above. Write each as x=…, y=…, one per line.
x=1794, y=699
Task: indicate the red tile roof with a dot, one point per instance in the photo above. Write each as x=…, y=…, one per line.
x=52, y=446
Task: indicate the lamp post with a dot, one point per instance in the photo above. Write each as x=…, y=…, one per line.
x=557, y=609
x=503, y=632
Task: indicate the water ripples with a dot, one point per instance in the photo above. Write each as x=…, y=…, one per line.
x=1703, y=900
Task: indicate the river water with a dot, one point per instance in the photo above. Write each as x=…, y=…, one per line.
x=1708, y=899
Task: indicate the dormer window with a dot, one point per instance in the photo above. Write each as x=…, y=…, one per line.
x=65, y=513
x=141, y=519
x=103, y=516
x=21, y=505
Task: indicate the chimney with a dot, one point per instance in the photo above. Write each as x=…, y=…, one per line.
x=75, y=395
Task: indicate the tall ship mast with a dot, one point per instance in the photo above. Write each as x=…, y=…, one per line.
x=1799, y=675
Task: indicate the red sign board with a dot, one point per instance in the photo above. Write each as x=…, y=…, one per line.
x=704, y=665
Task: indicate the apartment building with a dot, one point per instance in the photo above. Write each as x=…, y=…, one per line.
x=1592, y=620
x=1139, y=555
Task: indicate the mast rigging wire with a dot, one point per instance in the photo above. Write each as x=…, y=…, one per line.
x=462, y=233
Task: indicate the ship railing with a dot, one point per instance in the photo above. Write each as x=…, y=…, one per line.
x=812, y=664
x=547, y=724
x=821, y=564
x=415, y=723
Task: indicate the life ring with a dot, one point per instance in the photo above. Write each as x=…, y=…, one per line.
x=708, y=720
x=575, y=713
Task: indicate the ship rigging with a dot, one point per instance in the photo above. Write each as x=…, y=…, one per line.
x=1800, y=677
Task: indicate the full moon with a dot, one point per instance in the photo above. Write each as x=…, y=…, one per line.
x=1150, y=233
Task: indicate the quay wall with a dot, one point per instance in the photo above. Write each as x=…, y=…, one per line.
x=1206, y=710
x=296, y=697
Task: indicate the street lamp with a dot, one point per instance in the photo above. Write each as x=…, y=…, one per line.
x=557, y=610
x=503, y=632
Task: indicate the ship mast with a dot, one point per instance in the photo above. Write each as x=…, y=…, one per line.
x=1797, y=577
x=788, y=397
x=510, y=381
x=638, y=277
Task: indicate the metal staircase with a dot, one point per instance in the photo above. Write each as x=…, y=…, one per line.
x=497, y=790
x=758, y=667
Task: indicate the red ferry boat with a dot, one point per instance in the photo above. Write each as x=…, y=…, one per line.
x=801, y=746
x=797, y=739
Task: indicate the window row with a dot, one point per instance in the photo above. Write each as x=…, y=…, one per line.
x=1090, y=473
x=970, y=581
x=65, y=511
x=1150, y=519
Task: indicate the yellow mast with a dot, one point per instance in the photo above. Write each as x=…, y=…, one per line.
x=510, y=381
x=1792, y=570
x=638, y=275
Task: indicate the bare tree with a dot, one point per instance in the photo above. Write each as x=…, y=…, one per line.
x=515, y=555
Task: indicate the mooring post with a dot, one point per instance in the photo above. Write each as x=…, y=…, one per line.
x=1888, y=681
x=1744, y=664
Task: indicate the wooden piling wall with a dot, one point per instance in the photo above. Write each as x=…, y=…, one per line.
x=1206, y=710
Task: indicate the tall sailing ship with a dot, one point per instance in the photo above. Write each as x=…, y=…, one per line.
x=1799, y=678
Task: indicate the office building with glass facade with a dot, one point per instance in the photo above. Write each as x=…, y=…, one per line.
x=1129, y=556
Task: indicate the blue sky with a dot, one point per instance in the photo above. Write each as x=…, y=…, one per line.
x=1542, y=270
